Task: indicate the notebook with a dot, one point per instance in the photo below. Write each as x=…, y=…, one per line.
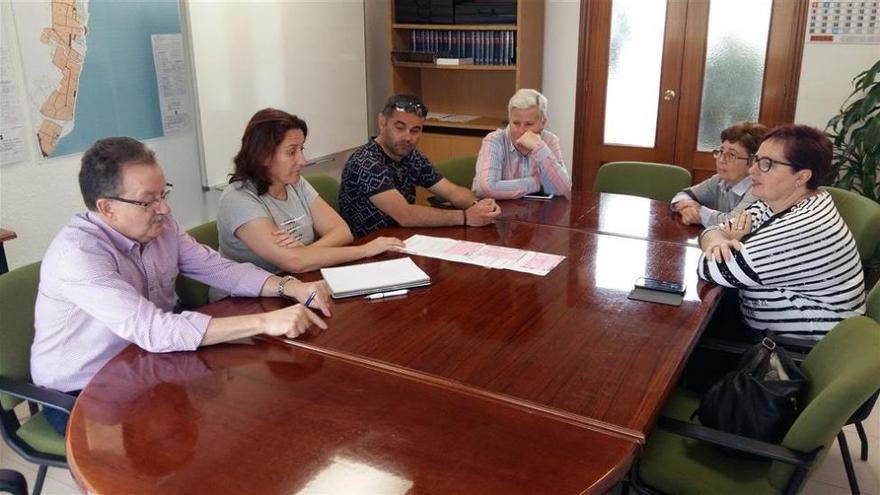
x=369, y=278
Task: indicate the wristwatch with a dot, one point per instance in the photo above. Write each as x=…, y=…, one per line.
x=282, y=283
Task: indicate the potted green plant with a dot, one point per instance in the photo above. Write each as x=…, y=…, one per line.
x=855, y=132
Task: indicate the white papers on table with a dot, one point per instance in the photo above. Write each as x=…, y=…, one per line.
x=477, y=253
x=369, y=278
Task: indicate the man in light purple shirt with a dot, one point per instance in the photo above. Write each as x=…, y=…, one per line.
x=107, y=279
x=524, y=157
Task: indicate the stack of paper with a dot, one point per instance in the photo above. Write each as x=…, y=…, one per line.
x=369, y=278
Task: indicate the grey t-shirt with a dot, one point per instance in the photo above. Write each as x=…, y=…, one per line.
x=239, y=204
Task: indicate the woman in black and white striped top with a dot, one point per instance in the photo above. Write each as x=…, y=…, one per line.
x=790, y=254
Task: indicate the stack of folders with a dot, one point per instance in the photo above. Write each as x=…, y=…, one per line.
x=370, y=278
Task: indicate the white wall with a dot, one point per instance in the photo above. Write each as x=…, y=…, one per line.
x=827, y=71
x=377, y=17
x=561, y=21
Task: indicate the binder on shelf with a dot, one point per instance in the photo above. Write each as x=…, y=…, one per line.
x=454, y=61
x=370, y=278
x=407, y=56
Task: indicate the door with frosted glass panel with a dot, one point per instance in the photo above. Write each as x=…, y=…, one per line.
x=660, y=79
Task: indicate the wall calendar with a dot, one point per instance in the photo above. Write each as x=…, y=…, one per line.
x=844, y=21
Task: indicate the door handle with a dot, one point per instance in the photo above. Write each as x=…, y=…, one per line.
x=669, y=95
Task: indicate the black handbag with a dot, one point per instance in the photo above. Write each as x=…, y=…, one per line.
x=760, y=399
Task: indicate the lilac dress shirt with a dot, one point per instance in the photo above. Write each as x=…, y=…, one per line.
x=100, y=291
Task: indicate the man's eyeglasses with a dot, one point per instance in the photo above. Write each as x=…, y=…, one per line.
x=765, y=164
x=414, y=107
x=147, y=205
x=727, y=156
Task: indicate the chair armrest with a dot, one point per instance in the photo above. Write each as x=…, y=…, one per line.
x=13, y=482
x=728, y=346
x=30, y=392
x=792, y=346
x=740, y=443
x=438, y=202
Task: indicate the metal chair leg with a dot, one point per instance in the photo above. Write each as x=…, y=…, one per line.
x=864, y=438
x=41, y=477
x=847, y=463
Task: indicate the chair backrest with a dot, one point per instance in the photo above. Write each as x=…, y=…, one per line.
x=459, y=171
x=18, y=294
x=194, y=294
x=873, y=303
x=862, y=216
x=657, y=181
x=843, y=371
x=327, y=187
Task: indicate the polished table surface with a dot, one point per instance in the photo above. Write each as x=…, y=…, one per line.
x=486, y=381
x=615, y=214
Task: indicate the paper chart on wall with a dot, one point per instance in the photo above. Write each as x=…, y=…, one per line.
x=486, y=255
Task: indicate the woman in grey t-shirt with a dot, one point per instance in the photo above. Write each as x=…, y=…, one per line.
x=271, y=216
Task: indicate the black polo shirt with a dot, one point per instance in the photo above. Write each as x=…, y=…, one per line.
x=370, y=171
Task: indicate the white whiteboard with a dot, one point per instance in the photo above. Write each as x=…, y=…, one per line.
x=304, y=57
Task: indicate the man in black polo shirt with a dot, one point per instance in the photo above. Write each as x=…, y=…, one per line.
x=379, y=180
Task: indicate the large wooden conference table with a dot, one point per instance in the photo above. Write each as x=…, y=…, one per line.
x=488, y=381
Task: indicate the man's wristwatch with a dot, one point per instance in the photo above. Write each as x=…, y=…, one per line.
x=282, y=283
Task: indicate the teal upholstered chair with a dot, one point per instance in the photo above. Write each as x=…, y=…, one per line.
x=327, y=187
x=193, y=294
x=843, y=370
x=31, y=437
x=862, y=216
x=656, y=181
x=459, y=171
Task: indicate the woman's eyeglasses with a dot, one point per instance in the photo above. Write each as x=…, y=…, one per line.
x=727, y=156
x=764, y=164
x=147, y=205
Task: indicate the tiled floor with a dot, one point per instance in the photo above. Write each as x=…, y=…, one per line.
x=830, y=479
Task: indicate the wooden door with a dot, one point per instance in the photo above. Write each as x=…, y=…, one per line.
x=675, y=83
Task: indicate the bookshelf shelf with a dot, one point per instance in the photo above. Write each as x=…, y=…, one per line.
x=481, y=124
x=469, y=89
x=458, y=27
x=424, y=65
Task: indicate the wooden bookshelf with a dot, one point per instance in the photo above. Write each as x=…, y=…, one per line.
x=481, y=90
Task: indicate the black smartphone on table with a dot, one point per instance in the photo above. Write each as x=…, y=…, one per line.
x=660, y=285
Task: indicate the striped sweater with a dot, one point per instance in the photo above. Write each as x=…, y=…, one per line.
x=798, y=272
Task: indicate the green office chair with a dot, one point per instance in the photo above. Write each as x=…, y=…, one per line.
x=843, y=370
x=193, y=294
x=862, y=216
x=327, y=187
x=32, y=437
x=656, y=181
x=459, y=171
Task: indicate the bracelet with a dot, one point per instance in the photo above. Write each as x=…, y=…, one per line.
x=282, y=283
